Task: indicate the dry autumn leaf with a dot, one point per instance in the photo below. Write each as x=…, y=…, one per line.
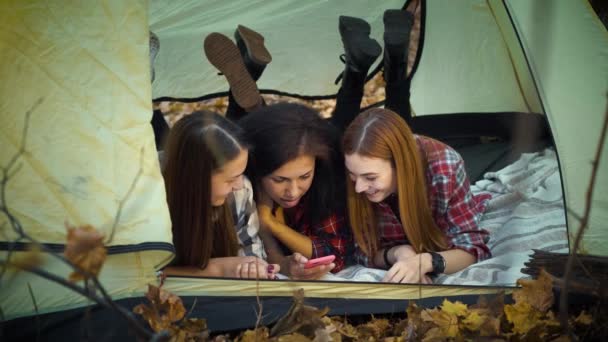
x=538, y=293
x=27, y=260
x=85, y=249
x=259, y=335
x=523, y=316
x=583, y=318
x=166, y=309
x=446, y=323
x=456, y=308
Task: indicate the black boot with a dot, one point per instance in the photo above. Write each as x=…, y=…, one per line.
x=360, y=53
x=360, y=50
x=225, y=56
x=254, y=52
x=397, y=27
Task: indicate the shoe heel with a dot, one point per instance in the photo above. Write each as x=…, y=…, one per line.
x=353, y=24
x=254, y=43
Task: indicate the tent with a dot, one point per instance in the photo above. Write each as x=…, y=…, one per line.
x=482, y=68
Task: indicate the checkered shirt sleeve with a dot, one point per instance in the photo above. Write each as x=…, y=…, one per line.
x=331, y=236
x=455, y=209
x=247, y=223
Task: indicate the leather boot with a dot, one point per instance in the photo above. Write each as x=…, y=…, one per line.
x=397, y=27
x=360, y=51
x=251, y=45
x=226, y=57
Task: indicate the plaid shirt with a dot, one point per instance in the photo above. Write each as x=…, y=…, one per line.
x=330, y=236
x=455, y=209
x=246, y=221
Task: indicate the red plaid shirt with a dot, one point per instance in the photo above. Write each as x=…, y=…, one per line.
x=330, y=236
x=455, y=209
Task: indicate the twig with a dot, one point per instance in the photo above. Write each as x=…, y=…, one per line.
x=29, y=288
x=260, y=307
x=7, y=175
x=574, y=214
x=127, y=195
x=191, y=308
x=563, y=300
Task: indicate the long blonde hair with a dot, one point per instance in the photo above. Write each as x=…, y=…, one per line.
x=381, y=133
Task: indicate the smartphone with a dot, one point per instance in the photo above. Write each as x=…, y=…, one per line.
x=326, y=260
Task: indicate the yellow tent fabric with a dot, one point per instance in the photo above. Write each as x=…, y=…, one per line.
x=86, y=141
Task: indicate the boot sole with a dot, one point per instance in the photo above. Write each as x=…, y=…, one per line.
x=226, y=57
x=397, y=26
x=255, y=45
x=352, y=24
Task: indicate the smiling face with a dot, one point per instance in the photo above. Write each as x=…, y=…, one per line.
x=227, y=179
x=287, y=184
x=375, y=177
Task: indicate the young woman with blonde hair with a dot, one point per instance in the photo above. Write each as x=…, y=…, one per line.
x=409, y=201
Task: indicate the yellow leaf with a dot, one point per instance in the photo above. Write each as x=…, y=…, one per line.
x=523, y=316
x=447, y=322
x=474, y=321
x=457, y=308
x=538, y=293
x=584, y=318
x=31, y=259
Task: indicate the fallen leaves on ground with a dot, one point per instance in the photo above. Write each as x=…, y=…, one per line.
x=166, y=313
x=490, y=319
x=85, y=249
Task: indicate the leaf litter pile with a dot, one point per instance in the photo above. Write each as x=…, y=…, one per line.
x=529, y=318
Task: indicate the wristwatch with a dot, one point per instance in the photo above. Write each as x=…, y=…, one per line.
x=438, y=262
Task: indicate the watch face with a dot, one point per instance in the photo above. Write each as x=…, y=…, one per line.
x=438, y=263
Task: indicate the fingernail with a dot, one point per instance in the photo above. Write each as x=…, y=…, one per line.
x=270, y=268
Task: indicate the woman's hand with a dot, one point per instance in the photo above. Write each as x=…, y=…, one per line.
x=249, y=268
x=410, y=269
x=296, y=269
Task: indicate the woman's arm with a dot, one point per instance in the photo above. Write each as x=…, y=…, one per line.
x=229, y=267
x=296, y=242
x=248, y=223
x=409, y=267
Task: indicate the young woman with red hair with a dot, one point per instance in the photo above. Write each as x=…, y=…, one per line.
x=409, y=201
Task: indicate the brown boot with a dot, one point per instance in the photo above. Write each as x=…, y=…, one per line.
x=226, y=57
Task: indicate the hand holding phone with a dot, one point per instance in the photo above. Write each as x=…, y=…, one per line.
x=326, y=260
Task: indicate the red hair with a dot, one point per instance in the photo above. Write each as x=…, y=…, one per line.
x=381, y=133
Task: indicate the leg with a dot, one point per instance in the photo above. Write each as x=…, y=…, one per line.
x=360, y=52
x=243, y=64
x=160, y=127
x=397, y=27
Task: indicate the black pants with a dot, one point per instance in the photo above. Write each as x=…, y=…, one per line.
x=348, y=102
x=160, y=127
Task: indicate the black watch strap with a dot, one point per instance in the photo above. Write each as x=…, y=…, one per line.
x=438, y=263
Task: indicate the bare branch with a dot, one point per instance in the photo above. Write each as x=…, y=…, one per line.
x=191, y=308
x=29, y=288
x=575, y=215
x=21, y=149
x=122, y=202
x=563, y=300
